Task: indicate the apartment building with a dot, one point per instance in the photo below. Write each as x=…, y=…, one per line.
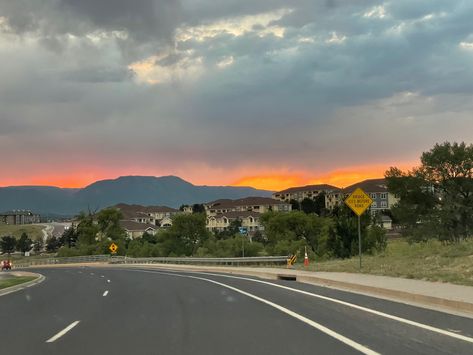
x=221, y=213
x=135, y=229
x=19, y=217
x=377, y=190
x=252, y=204
x=221, y=222
x=160, y=216
x=311, y=192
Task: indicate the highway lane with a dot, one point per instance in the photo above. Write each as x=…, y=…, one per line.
x=158, y=312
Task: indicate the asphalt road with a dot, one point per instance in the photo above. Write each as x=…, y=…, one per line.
x=122, y=311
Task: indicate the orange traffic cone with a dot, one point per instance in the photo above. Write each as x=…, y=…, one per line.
x=306, y=258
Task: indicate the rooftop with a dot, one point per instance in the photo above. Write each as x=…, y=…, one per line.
x=238, y=214
x=320, y=187
x=135, y=226
x=18, y=213
x=130, y=211
x=370, y=185
x=246, y=201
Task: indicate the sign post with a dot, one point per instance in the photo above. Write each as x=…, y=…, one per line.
x=359, y=201
x=113, y=248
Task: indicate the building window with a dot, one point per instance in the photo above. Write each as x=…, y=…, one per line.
x=384, y=196
x=374, y=205
x=373, y=195
x=384, y=204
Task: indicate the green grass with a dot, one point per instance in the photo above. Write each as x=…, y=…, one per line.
x=33, y=231
x=430, y=261
x=15, y=281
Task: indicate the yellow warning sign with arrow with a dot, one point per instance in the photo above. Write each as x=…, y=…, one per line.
x=113, y=248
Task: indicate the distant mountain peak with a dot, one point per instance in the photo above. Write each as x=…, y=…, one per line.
x=167, y=190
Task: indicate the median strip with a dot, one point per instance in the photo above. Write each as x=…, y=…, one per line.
x=62, y=332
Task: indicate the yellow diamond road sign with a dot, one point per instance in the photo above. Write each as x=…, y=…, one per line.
x=113, y=248
x=358, y=201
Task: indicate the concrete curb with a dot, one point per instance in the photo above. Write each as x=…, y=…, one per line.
x=40, y=278
x=390, y=294
x=433, y=302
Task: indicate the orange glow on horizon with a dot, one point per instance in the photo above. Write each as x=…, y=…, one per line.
x=64, y=181
x=270, y=182
x=339, y=178
x=274, y=181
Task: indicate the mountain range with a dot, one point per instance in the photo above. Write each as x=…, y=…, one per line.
x=171, y=191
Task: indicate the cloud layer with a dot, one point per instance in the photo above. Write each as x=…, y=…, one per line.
x=215, y=92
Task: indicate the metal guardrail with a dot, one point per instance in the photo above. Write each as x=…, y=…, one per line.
x=257, y=260
x=63, y=260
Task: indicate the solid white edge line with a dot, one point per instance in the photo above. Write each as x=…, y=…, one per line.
x=105, y=293
x=320, y=327
x=361, y=308
x=62, y=332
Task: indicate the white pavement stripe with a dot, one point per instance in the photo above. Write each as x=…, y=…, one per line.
x=320, y=327
x=105, y=293
x=62, y=332
x=361, y=308
x=102, y=276
x=108, y=281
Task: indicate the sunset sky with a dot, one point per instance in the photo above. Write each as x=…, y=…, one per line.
x=267, y=93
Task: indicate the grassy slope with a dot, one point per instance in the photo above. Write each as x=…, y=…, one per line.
x=15, y=281
x=426, y=261
x=33, y=231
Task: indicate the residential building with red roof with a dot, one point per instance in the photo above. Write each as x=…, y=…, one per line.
x=311, y=192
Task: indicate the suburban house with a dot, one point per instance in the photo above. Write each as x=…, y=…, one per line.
x=187, y=209
x=19, y=217
x=221, y=213
x=135, y=229
x=302, y=192
x=253, y=204
x=160, y=216
x=220, y=222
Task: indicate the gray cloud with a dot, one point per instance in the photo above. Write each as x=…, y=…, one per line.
x=394, y=78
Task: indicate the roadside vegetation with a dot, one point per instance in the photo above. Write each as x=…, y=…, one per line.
x=15, y=280
x=436, y=198
x=431, y=260
x=285, y=233
x=33, y=231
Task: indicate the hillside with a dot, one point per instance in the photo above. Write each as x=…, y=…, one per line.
x=143, y=190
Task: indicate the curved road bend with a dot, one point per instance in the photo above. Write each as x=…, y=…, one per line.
x=125, y=311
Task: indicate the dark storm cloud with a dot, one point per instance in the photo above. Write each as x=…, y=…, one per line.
x=233, y=83
x=144, y=20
